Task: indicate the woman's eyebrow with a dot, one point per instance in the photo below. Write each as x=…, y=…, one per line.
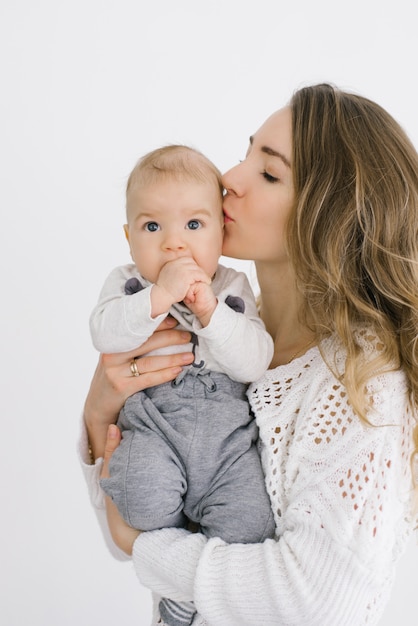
x=272, y=152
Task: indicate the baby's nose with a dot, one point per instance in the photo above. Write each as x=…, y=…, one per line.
x=174, y=241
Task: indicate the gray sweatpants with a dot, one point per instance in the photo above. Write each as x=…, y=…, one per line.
x=189, y=450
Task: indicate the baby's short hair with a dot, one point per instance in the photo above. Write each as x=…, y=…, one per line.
x=177, y=162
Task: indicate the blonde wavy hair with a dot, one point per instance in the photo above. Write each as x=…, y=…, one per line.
x=353, y=235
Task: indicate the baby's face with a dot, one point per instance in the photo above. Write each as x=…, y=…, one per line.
x=172, y=219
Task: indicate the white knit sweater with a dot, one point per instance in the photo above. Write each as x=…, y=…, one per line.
x=341, y=496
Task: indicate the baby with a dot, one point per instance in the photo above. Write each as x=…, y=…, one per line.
x=188, y=450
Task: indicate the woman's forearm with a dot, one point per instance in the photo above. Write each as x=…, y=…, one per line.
x=96, y=433
x=100, y=410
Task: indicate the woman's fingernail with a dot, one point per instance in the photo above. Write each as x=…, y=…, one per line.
x=112, y=431
x=185, y=335
x=187, y=357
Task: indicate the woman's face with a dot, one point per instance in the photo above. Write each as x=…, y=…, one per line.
x=259, y=194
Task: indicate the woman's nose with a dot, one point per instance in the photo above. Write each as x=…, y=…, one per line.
x=231, y=181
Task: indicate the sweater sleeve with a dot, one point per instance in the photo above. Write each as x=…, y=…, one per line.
x=121, y=322
x=290, y=581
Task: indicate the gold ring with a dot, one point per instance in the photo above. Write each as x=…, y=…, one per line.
x=134, y=368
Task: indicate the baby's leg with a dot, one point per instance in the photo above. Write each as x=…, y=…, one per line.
x=238, y=508
x=147, y=478
x=226, y=486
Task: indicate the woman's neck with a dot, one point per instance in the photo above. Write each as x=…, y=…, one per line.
x=280, y=304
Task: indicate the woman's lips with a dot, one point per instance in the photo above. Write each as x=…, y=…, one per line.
x=227, y=218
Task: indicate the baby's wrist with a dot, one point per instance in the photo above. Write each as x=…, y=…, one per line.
x=206, y=315
x=161, y=300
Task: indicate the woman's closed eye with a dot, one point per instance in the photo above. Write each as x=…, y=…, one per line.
x=269, y=177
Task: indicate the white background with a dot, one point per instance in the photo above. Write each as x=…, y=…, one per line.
x=87, y=86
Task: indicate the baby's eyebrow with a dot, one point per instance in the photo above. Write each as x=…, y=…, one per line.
x=145, y=216
x=271, y=152
x=201, y=211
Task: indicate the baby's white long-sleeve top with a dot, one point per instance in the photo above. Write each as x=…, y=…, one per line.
x=235, y=341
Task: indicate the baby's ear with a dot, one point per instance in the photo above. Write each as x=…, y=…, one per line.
x=126, y=231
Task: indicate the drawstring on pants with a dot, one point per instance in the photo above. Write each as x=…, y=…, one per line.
x=203, y=375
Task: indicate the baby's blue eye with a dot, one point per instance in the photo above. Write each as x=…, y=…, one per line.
x=151, y=227
x=194, y=224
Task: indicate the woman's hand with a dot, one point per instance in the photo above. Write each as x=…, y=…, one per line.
x=123, y=535
x=113, y=381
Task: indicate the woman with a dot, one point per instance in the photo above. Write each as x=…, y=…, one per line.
x=326, y=203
